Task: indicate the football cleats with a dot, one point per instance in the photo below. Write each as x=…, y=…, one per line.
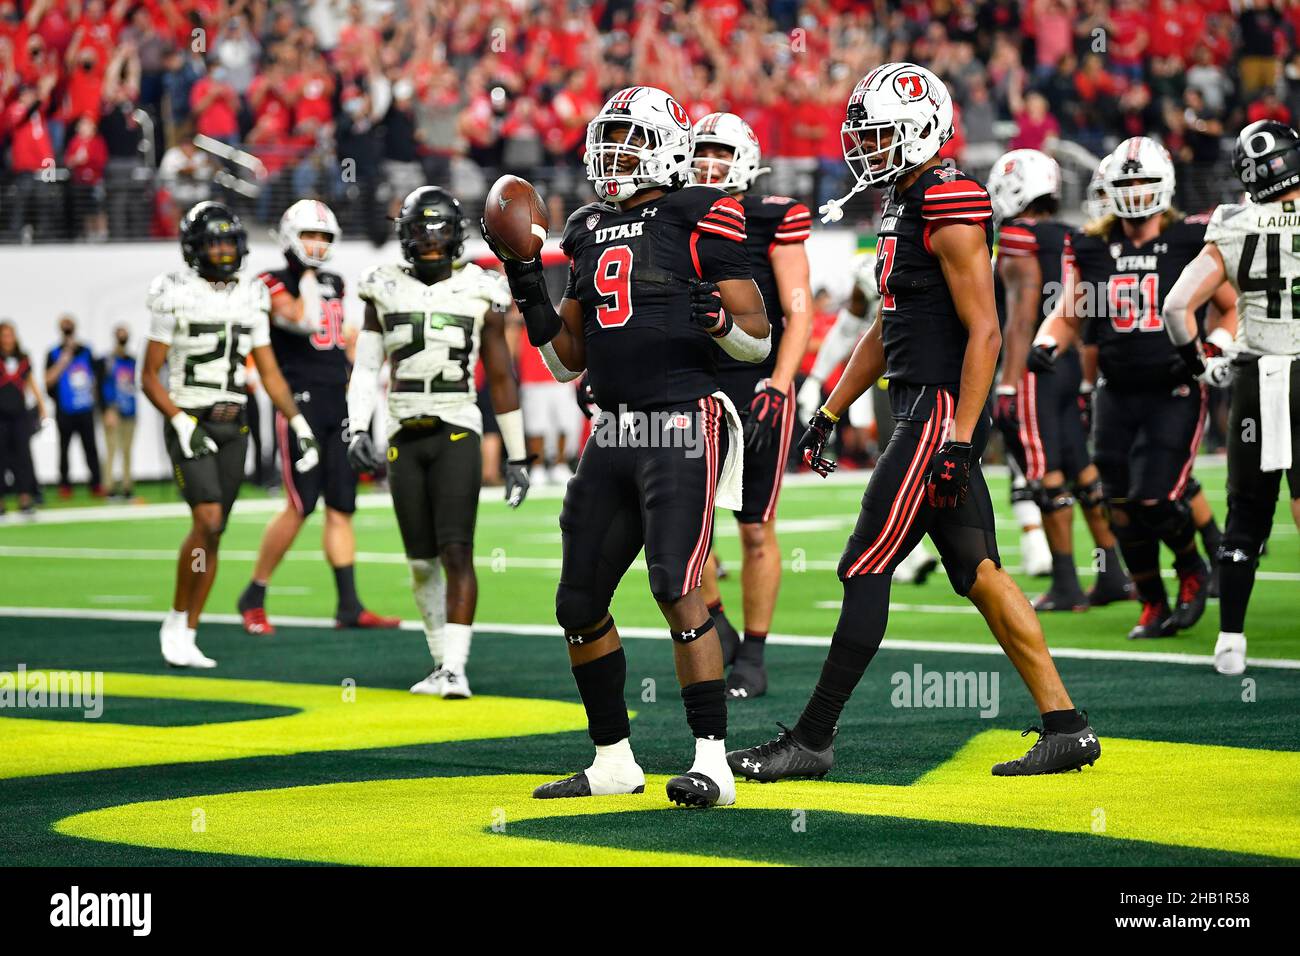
x=307, y=215
x=430, y=219
x=654, y=149
x=898, y=117
x=1018, y=178
x=205, y=224
x=734, y=175
x=1267, y=159
x=1139, y=180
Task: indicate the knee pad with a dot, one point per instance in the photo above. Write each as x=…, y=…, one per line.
x=1053, y=499
x=665, y=586
x=692, y=634
x=1022, y=492
x=1090, y=495
x=1124, y=523
x=585, y=637
x=1166, y=517
x=578, y=609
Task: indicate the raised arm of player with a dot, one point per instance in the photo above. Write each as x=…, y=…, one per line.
x=790, y=265
x=964, y=259
x=1022, y=277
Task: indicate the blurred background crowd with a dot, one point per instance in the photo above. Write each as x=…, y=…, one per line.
x=115, y=115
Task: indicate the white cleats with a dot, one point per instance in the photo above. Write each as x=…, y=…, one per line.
x=1035, y=555
x=178, y=645
x=1230, y=654
x=916, y=567
x=431, y=685
x=444, y=683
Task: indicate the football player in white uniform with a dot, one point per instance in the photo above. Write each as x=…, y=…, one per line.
x=204, y=322
x=1256, y=247
x=849, y=327
x=428, y=317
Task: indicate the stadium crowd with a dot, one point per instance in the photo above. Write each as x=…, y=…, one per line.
x=357, y=102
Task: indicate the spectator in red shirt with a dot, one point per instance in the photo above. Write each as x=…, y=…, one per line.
x=1268, y=107
x=86, y=157
x=1036, y=128
x=31, y=159
x=215, y=106
x=1128, y=39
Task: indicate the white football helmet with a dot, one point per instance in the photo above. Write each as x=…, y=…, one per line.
x=1097, y=204
x=307, y=215
x=898, y=117
x=1018, y=178
x=733, y=175
x=655, y=147
x=1139, y=180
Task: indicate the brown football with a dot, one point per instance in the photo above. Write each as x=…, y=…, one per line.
x=515, y=218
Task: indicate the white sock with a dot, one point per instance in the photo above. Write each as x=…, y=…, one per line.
x=431, y=599
x=709, y=756
x=1027, y=514
x=175, y=619
x=191, y=635
x=456, y=646
x=615, y=754
x=614, y=770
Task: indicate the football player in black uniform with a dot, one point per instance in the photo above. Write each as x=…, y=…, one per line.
x=937, y=338
x=1038, y=415
x=727, y=156
x=308, y=339
x=1148, y=410
x=653, y=265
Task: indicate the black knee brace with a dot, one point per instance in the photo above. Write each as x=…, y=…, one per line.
x=1053, y=499
x=692, y=633
x=1167, y=517
x=580, y=609
x=589, y=636
x=1090, y=495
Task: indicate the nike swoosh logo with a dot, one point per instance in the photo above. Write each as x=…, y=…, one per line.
x=459, y=437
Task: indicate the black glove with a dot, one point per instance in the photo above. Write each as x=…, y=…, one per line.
x=517, y=480
x=487, y=237
x=201, y=443
x=706, y=308
x=814, y=442
x=528, y=287
x=766, y=413
x=948, y=481
x=1041, y=359
x=362, y=454
x=1188, y=367
x=586, y=397
x=1085, y=407
x=1006, y=413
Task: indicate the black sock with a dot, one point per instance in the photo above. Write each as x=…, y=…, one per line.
x=1064, y=721
x=600, y=685
x=716, y=608
x=706, y=709
x=1064, y=573
x=1236, y=581
x=346, y=583
x=1111, y=565
x=1211, y=537
x=1151, y=589
x=861, y=627
x=1143, y=559
x=1189, y=560
x=752, y=647
x=254, y=596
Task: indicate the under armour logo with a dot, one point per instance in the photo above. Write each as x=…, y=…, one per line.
x=947, y=469
x=688, y=635
x=649, y=213
x=700, y=783
x=1090, y=739
x=748, y=764
x=573, y=638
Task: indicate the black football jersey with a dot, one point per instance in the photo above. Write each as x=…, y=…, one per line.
x=770, y=221
x=1123, y=289
x=925, y=342
x=629, y=270
x=1051, y=243
x=319, y=359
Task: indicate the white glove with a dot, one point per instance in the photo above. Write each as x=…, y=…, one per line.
x=195, y=442
x=309, y=448
x=1218, y=371
x=808, y=399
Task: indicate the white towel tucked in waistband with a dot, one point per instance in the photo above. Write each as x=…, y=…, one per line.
x=1275, y=412
x=730, y=494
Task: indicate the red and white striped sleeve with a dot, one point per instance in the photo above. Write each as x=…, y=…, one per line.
x=725, y=218
x=959, y=199
x=273, y=285
x=1017, y=240
x=795, y=225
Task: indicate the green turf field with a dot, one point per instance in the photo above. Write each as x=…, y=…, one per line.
x=306, y=746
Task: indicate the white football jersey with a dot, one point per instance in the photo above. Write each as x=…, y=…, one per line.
x=864, y=277
x=209, y=330
x=1260, y=245
x=431, y=339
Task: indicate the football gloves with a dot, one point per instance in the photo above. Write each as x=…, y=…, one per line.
x=308, y=446
x=586, y=397
x=814, y=442
x=528, y=287
x=1218, y=366
x=194, y=440
x=1006, y=410
x=362, y=454
x=1041, y=359
x=1085, y=405
x=706, y=308
x=517, y=481
x=766, y=413
x=948, y=480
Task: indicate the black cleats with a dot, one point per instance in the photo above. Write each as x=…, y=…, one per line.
x=1109, y=589
x=693, y=789
x=727, y=637
x=747, y=680
x=1193, y=590
x=576, y=786
x=780, y=759
x=1062, y=599
x=1053, y=753
x=1155, y=621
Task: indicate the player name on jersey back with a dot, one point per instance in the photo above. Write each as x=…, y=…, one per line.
x=1260, y=245
x=431, y=338
x=209, y=330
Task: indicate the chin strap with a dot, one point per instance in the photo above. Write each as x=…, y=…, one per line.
x=833, y=210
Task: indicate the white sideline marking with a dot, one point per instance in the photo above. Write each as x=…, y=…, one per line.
x=655, y=633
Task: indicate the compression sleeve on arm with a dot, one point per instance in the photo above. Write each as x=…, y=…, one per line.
x=363, y=389
x=1180, y=297
x=742, y=346
x=559, y=371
